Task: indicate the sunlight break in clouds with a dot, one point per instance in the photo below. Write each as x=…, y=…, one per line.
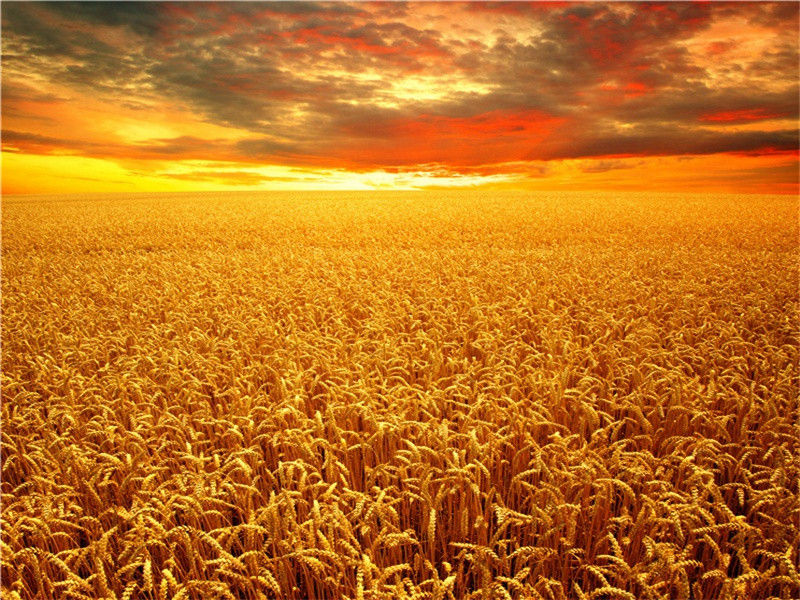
x=201, y=96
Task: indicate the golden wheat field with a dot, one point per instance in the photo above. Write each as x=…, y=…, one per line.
x=400, y=395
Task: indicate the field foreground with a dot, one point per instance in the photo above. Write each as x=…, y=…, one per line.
x=400, y=395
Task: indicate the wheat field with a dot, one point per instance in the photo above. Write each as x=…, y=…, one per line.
x=400, y=395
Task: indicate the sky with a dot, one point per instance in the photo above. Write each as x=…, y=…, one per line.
x=125, y=97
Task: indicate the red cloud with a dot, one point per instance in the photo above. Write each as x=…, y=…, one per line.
x=530, y=124
x=719, y=47
x=739, y=116
x=770, y=151
x=631, y=89
x=503, y=135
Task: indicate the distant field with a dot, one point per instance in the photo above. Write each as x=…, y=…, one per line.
x=400, y=395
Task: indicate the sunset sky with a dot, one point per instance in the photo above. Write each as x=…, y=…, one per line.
x=105, y=97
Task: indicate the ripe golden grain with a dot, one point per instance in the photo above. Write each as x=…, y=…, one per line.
x=382, y=396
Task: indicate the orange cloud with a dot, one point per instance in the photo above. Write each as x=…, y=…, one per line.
x=260, y=95
x=741, y=116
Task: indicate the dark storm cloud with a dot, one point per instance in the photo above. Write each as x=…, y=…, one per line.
x=697, y=101
x=24, y=22
x=665, y=141
x=140, y=17
x=57, y=42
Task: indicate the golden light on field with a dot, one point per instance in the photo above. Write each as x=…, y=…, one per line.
x=400, y=395
x=421, y=95
x=400, y=301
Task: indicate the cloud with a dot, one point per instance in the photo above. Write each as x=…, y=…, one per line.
x=603, y=166
x=668, y=141
x=385, y=85
x=744, y=115
x=244, y=178
x=183, y=147
x=139, y=17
